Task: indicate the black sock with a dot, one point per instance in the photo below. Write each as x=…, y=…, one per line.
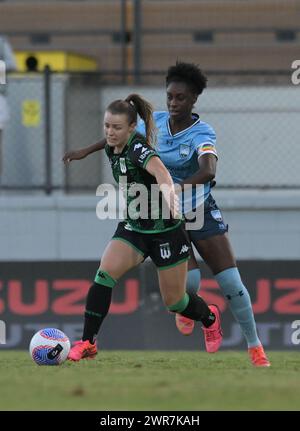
x=197, y=309
x=97, y=306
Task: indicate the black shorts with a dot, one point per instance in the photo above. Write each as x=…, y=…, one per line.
x=213, y=222
x=166, y=249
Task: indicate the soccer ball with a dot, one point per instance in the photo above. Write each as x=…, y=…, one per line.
x=49, y=346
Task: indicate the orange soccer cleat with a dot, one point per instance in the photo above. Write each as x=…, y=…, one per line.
x=213, y=335
x=258, y=357
x=82, y=350
x=184, y=324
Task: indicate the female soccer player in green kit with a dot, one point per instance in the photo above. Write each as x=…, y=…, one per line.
x=134, y=160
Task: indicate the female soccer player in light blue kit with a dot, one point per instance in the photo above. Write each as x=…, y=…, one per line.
x=187, y=147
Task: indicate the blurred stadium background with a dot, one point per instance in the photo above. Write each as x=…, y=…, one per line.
x=97, y=51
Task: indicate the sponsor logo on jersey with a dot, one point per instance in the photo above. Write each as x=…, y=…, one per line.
x=165, y=250
x=144, y=154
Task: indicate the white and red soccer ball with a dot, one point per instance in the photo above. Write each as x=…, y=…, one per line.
x=49, y=346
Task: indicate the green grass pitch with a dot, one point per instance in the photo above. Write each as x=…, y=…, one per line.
x=151, y=380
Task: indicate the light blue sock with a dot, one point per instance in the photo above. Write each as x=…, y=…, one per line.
x=193, y=280
x=239, y=302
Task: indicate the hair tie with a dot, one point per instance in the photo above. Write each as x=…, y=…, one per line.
x=130, y=103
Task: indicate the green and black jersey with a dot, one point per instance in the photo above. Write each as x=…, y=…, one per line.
x=144, y=210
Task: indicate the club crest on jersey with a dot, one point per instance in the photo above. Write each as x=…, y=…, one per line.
x=184, y=150
x=169, y=141
x=165, y=250
x=123, y=165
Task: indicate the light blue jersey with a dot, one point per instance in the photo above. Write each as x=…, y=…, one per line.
x=180, y=152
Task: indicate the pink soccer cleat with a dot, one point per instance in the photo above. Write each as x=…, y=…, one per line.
x=213, y=335
x=82, y=350
x=184, y=324
x=258, y=357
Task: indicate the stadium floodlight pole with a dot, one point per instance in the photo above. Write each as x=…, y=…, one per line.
x=47, y=95
x=137, y=35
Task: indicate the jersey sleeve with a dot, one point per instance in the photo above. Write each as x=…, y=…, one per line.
x=206, y=144
x=140, y=154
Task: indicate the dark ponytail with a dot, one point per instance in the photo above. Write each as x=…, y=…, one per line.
x=134, y=104
x=145, y=111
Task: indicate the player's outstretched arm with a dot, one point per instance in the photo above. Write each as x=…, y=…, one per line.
x=83, y=152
